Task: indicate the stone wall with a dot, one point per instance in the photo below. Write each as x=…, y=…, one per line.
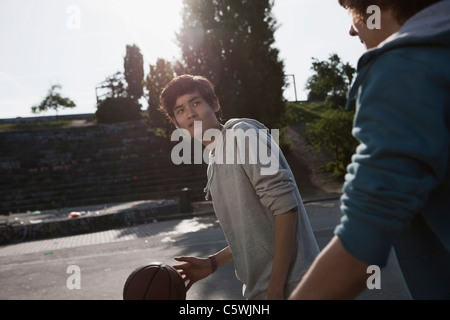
x=55, y=168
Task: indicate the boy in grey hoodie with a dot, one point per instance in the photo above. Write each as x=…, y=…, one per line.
x=257, y=202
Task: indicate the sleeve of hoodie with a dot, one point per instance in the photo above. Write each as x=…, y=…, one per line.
x=272, y=180
x=403, y=154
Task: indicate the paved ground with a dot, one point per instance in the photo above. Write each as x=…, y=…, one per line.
x=38, y=270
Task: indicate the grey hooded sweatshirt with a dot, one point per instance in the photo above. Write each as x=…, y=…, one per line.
x=247, y=196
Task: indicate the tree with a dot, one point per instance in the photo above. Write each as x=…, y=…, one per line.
x=119, y=109
x=54, y=101
x=330, y=81
x=120, y=102
x=115, y=85
x=333, y=132
x=231, y=43
x=160, y=74
x=134, y=72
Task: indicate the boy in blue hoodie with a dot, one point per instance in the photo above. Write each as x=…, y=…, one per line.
x=397, y=189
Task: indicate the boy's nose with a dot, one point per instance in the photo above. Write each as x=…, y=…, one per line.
x=352, y=31
x=191, y=113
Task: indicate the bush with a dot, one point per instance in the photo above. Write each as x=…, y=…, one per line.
x=113, y=110
x=332, y=132
x=336, y=101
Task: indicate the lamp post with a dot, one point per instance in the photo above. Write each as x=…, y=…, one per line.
x=295, y=87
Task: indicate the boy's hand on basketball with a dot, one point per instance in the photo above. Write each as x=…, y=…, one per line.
x=193, y=270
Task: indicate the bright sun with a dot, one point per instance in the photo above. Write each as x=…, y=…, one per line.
x=150, y=19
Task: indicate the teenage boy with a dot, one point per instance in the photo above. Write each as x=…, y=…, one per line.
x=397, y=190
x=262, y=215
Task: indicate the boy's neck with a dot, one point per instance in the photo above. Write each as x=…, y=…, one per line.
x=211, y=145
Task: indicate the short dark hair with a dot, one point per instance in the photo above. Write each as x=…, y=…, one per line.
x=403, y=9
x=186, y=84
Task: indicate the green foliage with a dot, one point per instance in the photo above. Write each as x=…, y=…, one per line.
x=231, y=43
x=134, y=72
x=333, y=132
x=34, y=126
x=113, y=110
x=120, y=102
x=115, y=87
x=330, y=81
x=328, y=125
x=304, y=112
x=160, y=74
x=54, y=101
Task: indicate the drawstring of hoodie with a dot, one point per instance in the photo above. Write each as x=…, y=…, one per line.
x=210, y=171
x=209, y=174
x=212, y=156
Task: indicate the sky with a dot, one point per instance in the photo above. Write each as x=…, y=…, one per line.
x=79, y=43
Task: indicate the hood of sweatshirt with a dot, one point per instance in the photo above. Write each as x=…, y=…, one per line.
x=429, y=27
x=230, y=124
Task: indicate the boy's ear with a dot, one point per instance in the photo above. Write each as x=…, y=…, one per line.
x=216, y=106
x=174, y=122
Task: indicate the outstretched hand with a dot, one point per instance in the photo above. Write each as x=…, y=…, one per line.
x=193, y=270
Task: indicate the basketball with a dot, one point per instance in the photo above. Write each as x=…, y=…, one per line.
x=156, y=281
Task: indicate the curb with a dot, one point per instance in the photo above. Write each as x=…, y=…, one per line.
x=61, y=226
x=133, y=215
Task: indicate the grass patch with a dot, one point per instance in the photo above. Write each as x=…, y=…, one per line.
x=326, y=129
x=304, y=112
x=34, y=126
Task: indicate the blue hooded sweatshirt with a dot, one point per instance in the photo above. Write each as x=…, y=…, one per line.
x=397, y=189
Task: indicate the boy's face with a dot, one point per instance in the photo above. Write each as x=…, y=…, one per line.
x=371, y=38
x=192, y=107
x=358, y=28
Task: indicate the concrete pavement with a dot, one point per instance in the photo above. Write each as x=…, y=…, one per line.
x=39, y=270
